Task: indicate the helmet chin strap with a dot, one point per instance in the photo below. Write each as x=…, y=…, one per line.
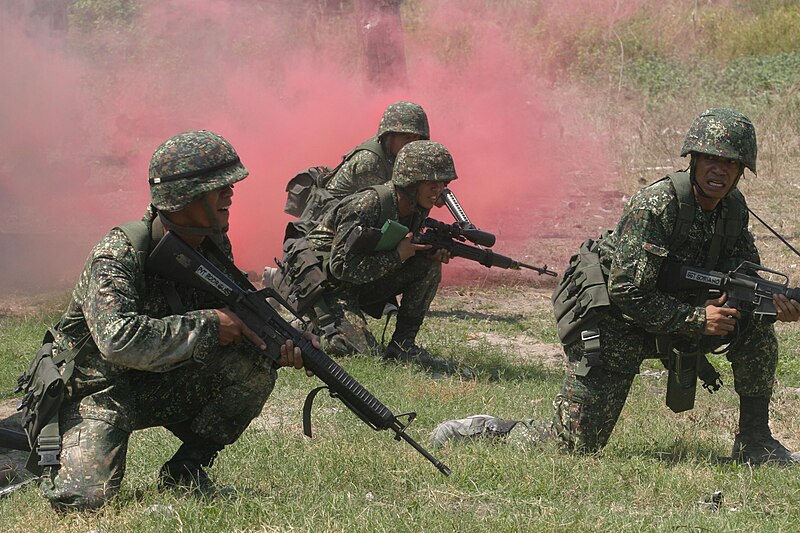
x=410, y=193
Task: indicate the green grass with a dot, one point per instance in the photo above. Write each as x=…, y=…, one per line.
x=652, y=475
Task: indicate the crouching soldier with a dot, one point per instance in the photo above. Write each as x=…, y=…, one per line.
x=365, y=257
x=136, y=351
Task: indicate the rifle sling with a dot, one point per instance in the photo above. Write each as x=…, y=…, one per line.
x=307, y=410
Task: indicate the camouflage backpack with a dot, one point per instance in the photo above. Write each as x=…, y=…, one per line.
x=306, y=196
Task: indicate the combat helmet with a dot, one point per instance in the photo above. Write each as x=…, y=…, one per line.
x=724, y=133
x=190, y=164
x=405, y=117
x=423, y=161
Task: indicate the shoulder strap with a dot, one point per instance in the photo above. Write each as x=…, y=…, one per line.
x=138, y=233
x=386, y=198
x=686, y=205
x=370, y=145
x=729, y=225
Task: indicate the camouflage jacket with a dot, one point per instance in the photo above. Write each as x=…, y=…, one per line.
x=364, y=169
x=636, y=251
x=360, y=209
x=126, y=312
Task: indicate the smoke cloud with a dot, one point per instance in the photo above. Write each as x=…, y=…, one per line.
x=81, y=115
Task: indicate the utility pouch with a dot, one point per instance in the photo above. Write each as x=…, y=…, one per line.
x=302, y=275
x=681, y=374
x=681, y=382
x=363, y=239
x=43, y=385
x=581, y=298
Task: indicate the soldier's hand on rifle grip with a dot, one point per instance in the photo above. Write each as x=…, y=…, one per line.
x=441, y=255
x=720, y=320
x=787, y=310
x=292, y=356
x=232, y=330
x=407, y=249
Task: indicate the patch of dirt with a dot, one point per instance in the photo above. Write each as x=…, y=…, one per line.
x=21, y=304
x=512, y=300
x=522, y=348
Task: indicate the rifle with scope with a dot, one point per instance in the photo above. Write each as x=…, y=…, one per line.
x=453, y=237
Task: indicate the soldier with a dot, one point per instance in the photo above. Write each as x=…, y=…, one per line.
x=369, y=163
x=653, y=231
x=148, y=352
x=364, y=277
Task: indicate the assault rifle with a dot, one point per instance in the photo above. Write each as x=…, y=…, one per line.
x=453, y=237
x=746, y=291
x=175, y=260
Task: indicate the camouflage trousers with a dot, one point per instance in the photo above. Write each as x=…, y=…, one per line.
x=215, y=401
x=587, y=407
x=417, y=280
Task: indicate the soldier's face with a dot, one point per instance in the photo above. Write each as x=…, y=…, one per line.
x=398, y=140
x=194, y=215
x=428, y=193
x=716, y=175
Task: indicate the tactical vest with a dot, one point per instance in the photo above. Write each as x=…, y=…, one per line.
x=303, y=277
x=581, y=298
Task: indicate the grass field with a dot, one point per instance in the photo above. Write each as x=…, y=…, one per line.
x=655, y=475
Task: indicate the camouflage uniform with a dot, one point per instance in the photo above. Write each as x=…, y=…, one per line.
x=587, y=407
x=364, y=169
x=592, y=396
x=149, y=365
x=359, y=279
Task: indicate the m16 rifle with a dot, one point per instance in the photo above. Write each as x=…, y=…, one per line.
x=746, y=292
x=453, y=237
x=175, y=260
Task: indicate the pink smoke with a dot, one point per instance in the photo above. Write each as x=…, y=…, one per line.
x=79, y=127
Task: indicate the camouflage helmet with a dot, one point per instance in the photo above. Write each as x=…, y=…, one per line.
x=405, y=117
x=423, y=161
x=190, y=164
x=724, y=133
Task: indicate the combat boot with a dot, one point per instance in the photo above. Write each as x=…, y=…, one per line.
x=402, y=348
x=754, y=443
x=408, y=352
x=185, y=468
